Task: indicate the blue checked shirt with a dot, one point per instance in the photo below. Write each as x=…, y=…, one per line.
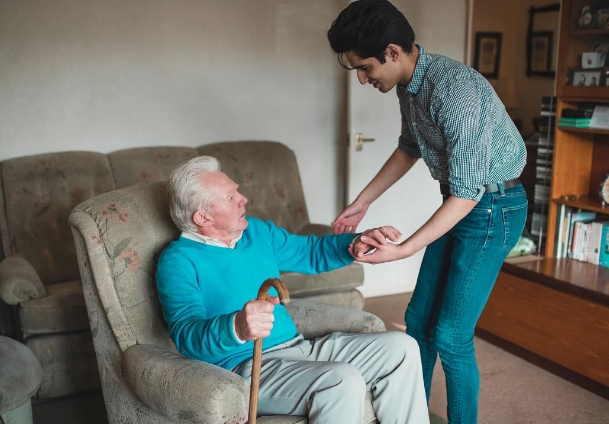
x=453, y=119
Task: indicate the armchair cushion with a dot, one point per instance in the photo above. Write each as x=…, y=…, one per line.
x=19, y=281
x=62, y=309
x=318, y=319
x=147, y=164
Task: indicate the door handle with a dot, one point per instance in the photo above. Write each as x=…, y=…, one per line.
x=359, y=141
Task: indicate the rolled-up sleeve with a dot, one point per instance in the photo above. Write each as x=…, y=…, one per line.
x=464, y=113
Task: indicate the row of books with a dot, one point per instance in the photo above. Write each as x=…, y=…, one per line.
x=580, y=237
x=585, y=116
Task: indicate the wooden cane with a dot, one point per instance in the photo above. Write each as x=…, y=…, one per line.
x=284, y=298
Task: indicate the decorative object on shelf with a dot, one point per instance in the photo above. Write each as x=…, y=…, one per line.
x=601, y=18
x=541, y=54
x=602, y=48
x=541, y=51
x=603, y=191
x=592, y=60
x=487, y=55
x=586, y=77
x=585, y=19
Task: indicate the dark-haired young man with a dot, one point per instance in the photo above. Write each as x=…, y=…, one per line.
x=452, y=118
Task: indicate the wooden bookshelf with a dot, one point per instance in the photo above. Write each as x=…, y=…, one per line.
x=557, y=310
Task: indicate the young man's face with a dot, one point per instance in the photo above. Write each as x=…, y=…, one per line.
x=382, y=76
x=227, y=211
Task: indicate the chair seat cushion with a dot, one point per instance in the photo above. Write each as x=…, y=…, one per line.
x=20, y=374
x=346, y=278
x=62, y=309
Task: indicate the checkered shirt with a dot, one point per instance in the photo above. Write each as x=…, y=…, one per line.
x=453, y=119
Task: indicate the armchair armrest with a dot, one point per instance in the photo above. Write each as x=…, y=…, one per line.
x=316, y=319
x=315, y=229
x=183, y=389
x=19, y=281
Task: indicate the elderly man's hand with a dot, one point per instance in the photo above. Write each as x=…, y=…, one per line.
x=256, y=318
x=359, y=248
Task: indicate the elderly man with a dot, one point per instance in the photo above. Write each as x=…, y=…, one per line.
x=207, y=277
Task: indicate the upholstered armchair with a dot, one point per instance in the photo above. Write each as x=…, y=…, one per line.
x=119, y=237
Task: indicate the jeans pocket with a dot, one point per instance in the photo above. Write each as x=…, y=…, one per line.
x=514, y=218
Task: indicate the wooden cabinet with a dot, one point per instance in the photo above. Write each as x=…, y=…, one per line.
x=558, y=309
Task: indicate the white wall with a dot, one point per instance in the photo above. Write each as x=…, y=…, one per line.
x=114, y=74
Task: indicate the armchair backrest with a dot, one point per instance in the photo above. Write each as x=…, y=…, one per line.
x=147, y=164
x=119, y=237
x=267, y=174
x=38, y=194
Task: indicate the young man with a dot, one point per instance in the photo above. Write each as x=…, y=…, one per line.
x=452, y=118
x=207, y=278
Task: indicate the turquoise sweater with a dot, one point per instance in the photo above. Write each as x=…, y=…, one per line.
x=201, y=286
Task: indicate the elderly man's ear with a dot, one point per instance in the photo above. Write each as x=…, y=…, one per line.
x=202, y=218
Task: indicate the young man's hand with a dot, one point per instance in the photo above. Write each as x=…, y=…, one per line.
x=256, y=318
x=349, y=219
x=362, y=243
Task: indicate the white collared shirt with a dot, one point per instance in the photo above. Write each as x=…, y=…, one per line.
x=215, y=242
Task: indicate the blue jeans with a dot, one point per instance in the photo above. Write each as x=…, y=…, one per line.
x=456, y=278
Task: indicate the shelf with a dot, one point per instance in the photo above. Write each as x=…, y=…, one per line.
x=575, y=93
x=584, y=202
x=584, y=130
x=590, y=31
x=581, y=279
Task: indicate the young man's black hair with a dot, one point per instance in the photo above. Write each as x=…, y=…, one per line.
x=367, y=27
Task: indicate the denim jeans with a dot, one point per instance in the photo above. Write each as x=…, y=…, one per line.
x=456, y=278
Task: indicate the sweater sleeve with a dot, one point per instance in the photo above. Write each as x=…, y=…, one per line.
x=194, y=333
x=309, y=254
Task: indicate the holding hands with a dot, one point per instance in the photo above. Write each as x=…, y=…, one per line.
x=376, y=239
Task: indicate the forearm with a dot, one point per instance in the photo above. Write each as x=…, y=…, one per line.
x=446, y=217
x=398, y=164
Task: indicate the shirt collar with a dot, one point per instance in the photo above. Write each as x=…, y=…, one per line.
x=209, y=240
x=420, y=68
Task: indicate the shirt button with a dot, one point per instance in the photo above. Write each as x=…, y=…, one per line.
x=490, y=210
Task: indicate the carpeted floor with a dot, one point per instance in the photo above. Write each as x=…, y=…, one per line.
x=512, y=390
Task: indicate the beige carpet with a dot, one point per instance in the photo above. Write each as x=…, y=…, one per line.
x=512, y=391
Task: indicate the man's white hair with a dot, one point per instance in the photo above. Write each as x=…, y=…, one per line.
x=186, y=193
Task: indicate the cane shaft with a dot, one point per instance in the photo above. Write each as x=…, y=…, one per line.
x=284, y=297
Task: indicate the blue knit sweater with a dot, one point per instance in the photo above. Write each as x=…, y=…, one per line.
x=202, y=286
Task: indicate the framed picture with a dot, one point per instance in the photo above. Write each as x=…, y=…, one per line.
x=541, y=51
x=586, y=77
x=541, y=54
x=487, y=55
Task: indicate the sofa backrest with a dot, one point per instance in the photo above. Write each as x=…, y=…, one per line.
x=38, y=193
x=147, y=164
x=120, y=236
x=267, y=174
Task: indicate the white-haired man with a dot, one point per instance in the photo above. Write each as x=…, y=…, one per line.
x=207, y=277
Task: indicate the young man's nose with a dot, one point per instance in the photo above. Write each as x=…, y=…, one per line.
x=361, y=76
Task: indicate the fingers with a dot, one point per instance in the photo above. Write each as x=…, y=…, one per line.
x=372, y=242
x=272, y=299
x=376, y=235
x=390, y=232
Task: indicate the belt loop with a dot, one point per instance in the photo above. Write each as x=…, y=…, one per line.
x=501, y=191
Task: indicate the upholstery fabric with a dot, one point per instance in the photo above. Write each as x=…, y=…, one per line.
x=68, y=363
x=19, y=281
x=20, y=374
x=147, y=164
x=62, y=309
x=119, y=236
x=39, y=193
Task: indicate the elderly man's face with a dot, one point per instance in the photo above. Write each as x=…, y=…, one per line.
x=227, y=210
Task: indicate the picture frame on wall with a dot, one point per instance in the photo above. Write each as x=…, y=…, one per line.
x=487, y=53
x=541, y=52
x=587, y=77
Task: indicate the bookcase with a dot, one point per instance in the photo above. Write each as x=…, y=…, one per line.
x=554, y=311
